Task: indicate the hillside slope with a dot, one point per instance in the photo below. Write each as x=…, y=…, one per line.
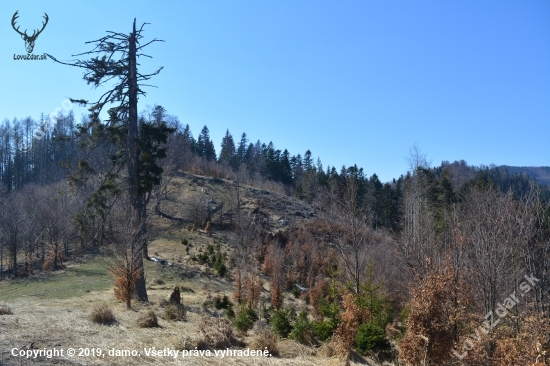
x=539, y=173
x=50, y=310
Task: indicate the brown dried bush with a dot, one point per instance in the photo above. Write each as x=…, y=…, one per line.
x=5, y=310
x=102, y=315
x=54, y=258
x=318, y=292
x=175, y=312
x=264, y=338
x=276, y=296
x=213, y=333
x=253, y=290
x=438, y=310
x=148, y=320
x=124, y=285
x=238, y=294
x=503, y=346
x=352, y=317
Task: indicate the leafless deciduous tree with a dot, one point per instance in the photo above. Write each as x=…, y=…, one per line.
x=52, y=209
x=353, y=234
x=12, y=227
x=534, y=244
x=492, y=237
x=417, y=159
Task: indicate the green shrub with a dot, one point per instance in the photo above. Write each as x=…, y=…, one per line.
x=221, y=302
x=330, y=310
x=370, y=337
x=220, y=267
x=280, y=321
x=302, y=330
x=295, y=291
x=323, y=329
x=210, y=249
x=203, y=258
x=184, y=241
x=245, y=319
x=230, y=312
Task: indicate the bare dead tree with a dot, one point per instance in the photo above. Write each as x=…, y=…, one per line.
x=52, y=209
x=491, y=238
x=534, y=246
x=115, y=56
x=417, y=159
x=353, y=234
x=12, y=226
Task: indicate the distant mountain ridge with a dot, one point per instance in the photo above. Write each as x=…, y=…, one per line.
x=540, y=173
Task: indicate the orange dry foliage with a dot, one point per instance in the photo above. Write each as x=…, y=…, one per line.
x=352, y=317
x=248, y=288
x=316, y=293
x=253, y=290
x=503, y=347
x=126, y=277
x=438, y=308
x=276, y=296
x=54, y=258
x=238, y=295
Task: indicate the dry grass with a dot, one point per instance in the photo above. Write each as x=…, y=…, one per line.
x=264, y=338
x=157, y=281
x=102, y=315
x=175, y=312
x=148, y=320
x=213, y=334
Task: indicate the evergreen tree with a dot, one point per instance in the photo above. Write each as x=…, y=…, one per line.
x=227, y=152
x=308, y=161
x=297, y=168
x=205, y=146
x=242, y=150
x=447, y=195
x=136, y=143
x=188, y=142
x=285, y=170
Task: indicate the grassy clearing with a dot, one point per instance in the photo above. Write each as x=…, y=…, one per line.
x=70, y=282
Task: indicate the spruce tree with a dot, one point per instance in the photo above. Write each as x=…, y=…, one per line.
x=227, y=152
x=114, y=57
x=205, y=146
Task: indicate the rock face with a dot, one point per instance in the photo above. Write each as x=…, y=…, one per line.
x=271, y=210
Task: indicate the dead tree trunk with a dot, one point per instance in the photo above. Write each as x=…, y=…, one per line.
x=132, y=149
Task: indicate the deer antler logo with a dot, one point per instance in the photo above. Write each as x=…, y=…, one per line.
x=29, y=40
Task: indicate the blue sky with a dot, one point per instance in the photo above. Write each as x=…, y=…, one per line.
x=353, y=81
